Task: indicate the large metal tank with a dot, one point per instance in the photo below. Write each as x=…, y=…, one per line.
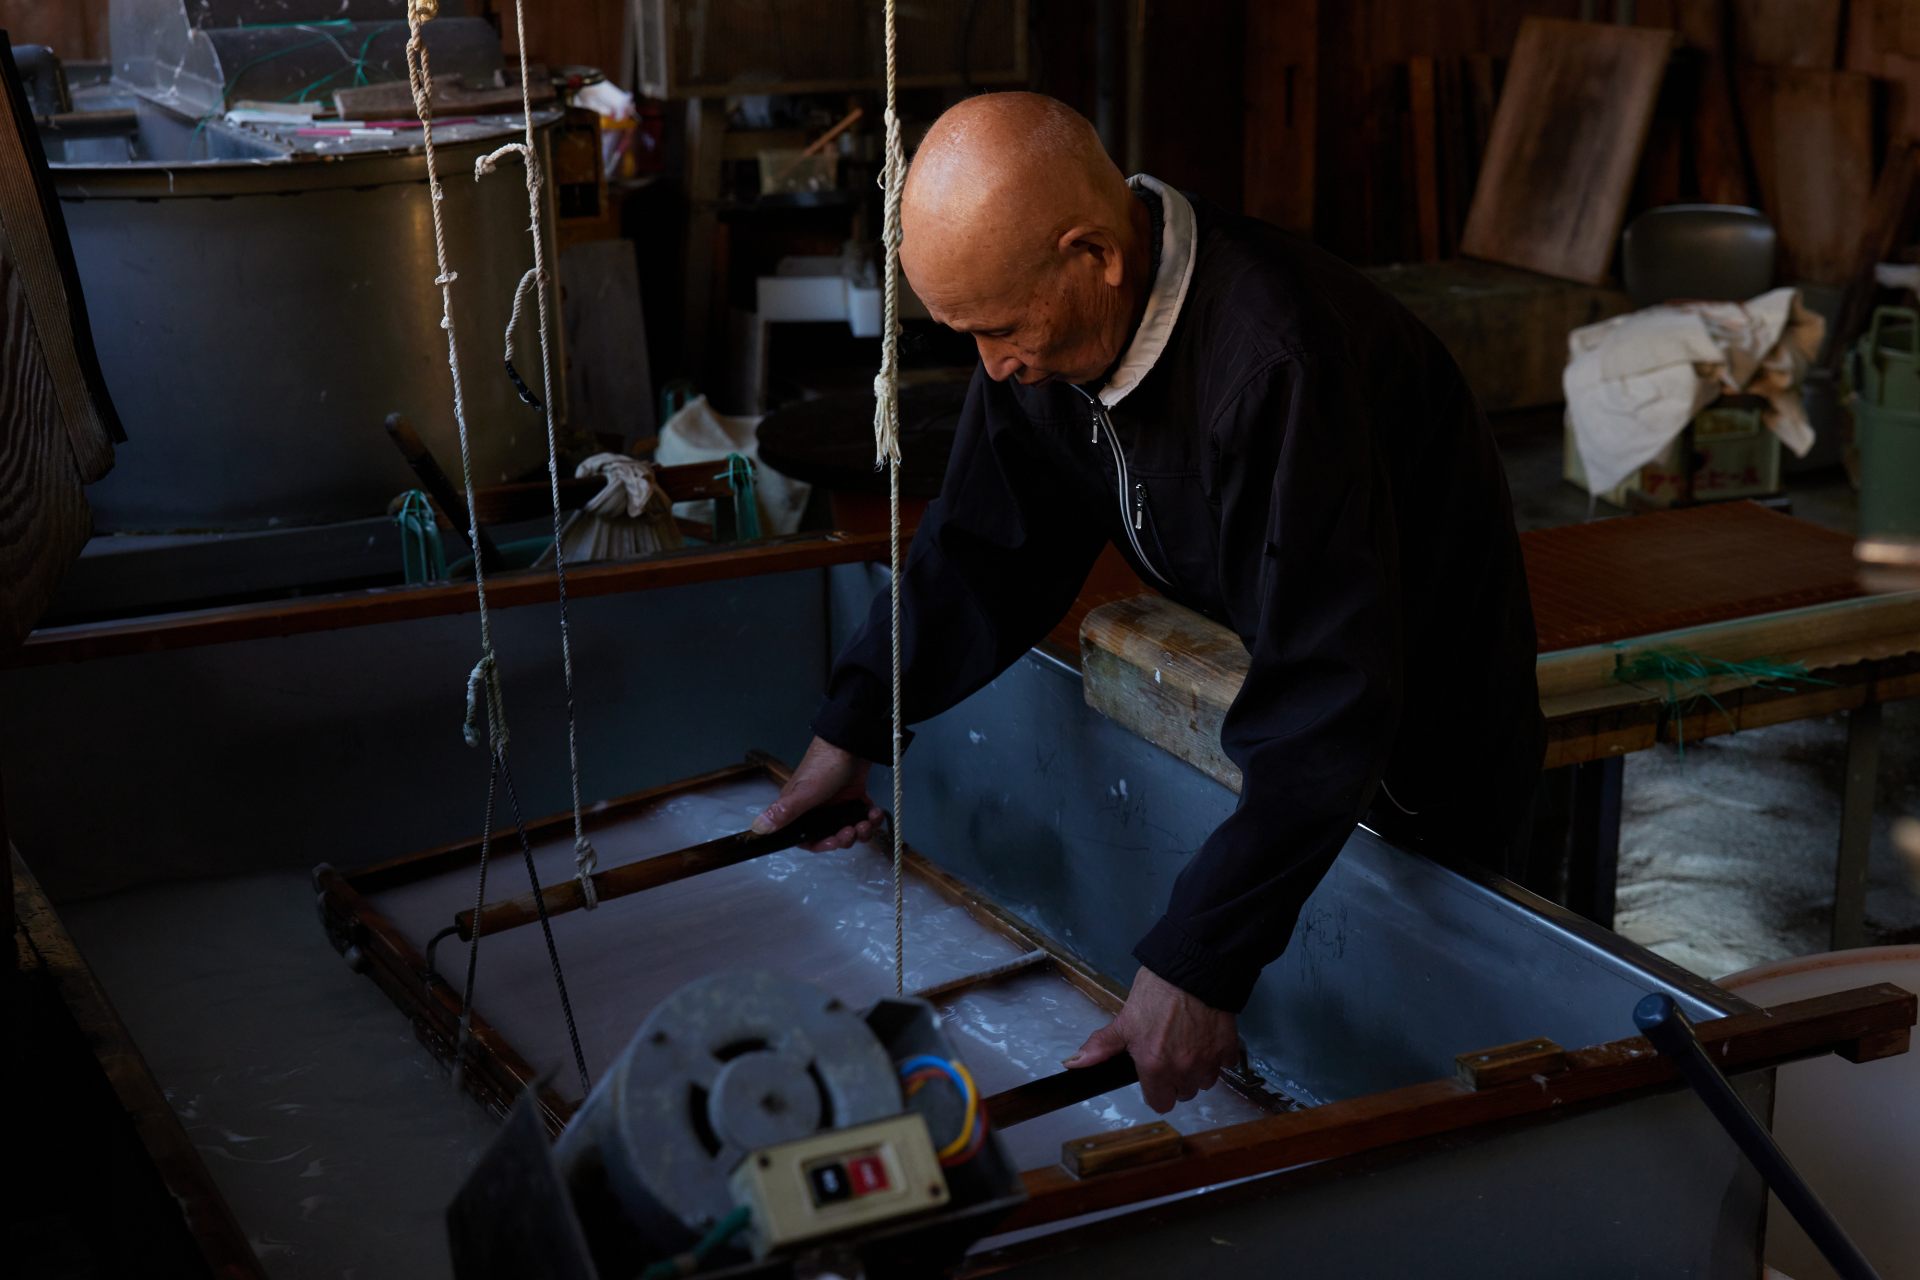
x=262, y=298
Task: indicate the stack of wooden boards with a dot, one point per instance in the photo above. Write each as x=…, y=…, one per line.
x=1791, y=105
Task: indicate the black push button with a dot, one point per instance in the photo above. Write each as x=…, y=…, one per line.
x=829, y=1183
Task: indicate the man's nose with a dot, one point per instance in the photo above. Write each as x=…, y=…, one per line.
x=1000, y=362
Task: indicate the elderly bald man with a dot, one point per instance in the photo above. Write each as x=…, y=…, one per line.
x=1270, y=440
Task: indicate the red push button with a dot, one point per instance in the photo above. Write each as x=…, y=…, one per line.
x=867, y=1174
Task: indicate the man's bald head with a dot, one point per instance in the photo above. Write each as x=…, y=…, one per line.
x=1018, y=229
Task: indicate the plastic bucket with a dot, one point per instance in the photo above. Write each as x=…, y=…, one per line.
x=1890, y=360
x=1852, y=1129
x=1889, y=469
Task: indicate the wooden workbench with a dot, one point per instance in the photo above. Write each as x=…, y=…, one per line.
x=1735, y=583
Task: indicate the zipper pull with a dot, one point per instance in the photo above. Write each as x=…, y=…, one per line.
x=1139, y=505
x=1096, y=427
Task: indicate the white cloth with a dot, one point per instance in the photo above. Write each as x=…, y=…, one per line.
x=629, y=484
x=1178, y=244
x=1634, y=382
x=698, y=434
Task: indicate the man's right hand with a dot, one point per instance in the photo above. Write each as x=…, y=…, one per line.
x=826, y=774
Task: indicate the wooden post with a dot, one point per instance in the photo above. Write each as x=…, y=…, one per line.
x=1281, y=89
x=706, y=129
x=1856, y=828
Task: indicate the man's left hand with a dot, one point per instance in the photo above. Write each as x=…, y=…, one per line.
x=1179, y=1044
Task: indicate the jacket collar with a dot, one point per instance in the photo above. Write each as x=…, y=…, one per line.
x=1178, y=248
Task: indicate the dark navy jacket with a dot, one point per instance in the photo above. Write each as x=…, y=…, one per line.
x=1304, y=464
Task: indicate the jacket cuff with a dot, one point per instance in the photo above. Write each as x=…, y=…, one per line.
x=860, y=720
x=1201, y=973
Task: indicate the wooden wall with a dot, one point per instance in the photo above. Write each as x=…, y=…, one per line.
x=75, y=29
x=1326, y=106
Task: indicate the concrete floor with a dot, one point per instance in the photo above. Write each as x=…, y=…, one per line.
x=1727, y=848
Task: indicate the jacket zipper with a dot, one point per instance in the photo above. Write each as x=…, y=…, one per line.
x=1130, y=520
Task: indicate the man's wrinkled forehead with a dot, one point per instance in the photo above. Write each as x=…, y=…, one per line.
x=971, y=275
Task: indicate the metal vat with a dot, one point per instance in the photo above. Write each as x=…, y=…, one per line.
x=262, y=299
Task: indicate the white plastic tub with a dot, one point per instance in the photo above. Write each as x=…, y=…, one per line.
x=1852, y=1130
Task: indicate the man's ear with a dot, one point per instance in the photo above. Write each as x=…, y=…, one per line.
x=1098, y=244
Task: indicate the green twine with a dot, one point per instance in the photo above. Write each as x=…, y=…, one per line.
x=1685, y=675
x=423, y=557
x=687, y=1263
x=746, y=503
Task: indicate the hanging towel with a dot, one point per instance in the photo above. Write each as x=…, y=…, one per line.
x=1634, y=382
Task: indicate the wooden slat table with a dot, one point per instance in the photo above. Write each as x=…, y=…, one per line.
x=1733, y=582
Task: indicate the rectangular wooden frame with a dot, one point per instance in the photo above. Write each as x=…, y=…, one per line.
x=1860, y=1025
x=496, y=1072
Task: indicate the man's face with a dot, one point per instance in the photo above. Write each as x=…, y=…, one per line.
x=1034, y=322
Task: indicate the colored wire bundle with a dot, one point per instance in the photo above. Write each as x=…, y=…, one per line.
x=917, y=1071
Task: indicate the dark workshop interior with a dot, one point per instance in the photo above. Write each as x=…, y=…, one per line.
x=959, y=638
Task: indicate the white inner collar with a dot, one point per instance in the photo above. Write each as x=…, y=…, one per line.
x=1177, y=252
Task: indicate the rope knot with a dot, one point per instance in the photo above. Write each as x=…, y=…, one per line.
x=419, y=11
x=585, y=863
x=446, y=278
x=485, y=676
x=487, y=163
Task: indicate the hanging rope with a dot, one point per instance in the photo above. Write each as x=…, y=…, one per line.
x=483, y=683
x=886, y=445
x=585, y=861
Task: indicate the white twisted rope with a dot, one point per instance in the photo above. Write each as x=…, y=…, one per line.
x=485, y=675
x=585, y=861
x=483, y=683
x=886, y=445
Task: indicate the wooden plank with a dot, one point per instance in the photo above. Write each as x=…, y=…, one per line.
x=664, y=868
x=1424, y=127
x=1812, y=147
x=1028, y=962
x=493, y=1072
x=449, y=507
x=1820, y=636
x=165, y=632
x=1169, y=675
x=394, y=100
x=1060, y=1090
x=1504, y=1064
x=381, y=876
x=1787, y=33
x=1849, y=1022
x=1716, y=157
x=1566, y=140
x=52, y=951
x=532, y=499
x=1121, y=1149
x=76, y=30
x=1282, y=58
x=1578, y=738
x=1608, y=580
x=1889, y=221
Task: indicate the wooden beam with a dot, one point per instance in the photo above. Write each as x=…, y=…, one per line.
x=408, y=867
x=49, y=949
x=1169, y=675
x=1059, y=1090
x=448, y=502
x=1857, y=1021
x=493, y=1072
x=664, y=868
x=165, y=632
